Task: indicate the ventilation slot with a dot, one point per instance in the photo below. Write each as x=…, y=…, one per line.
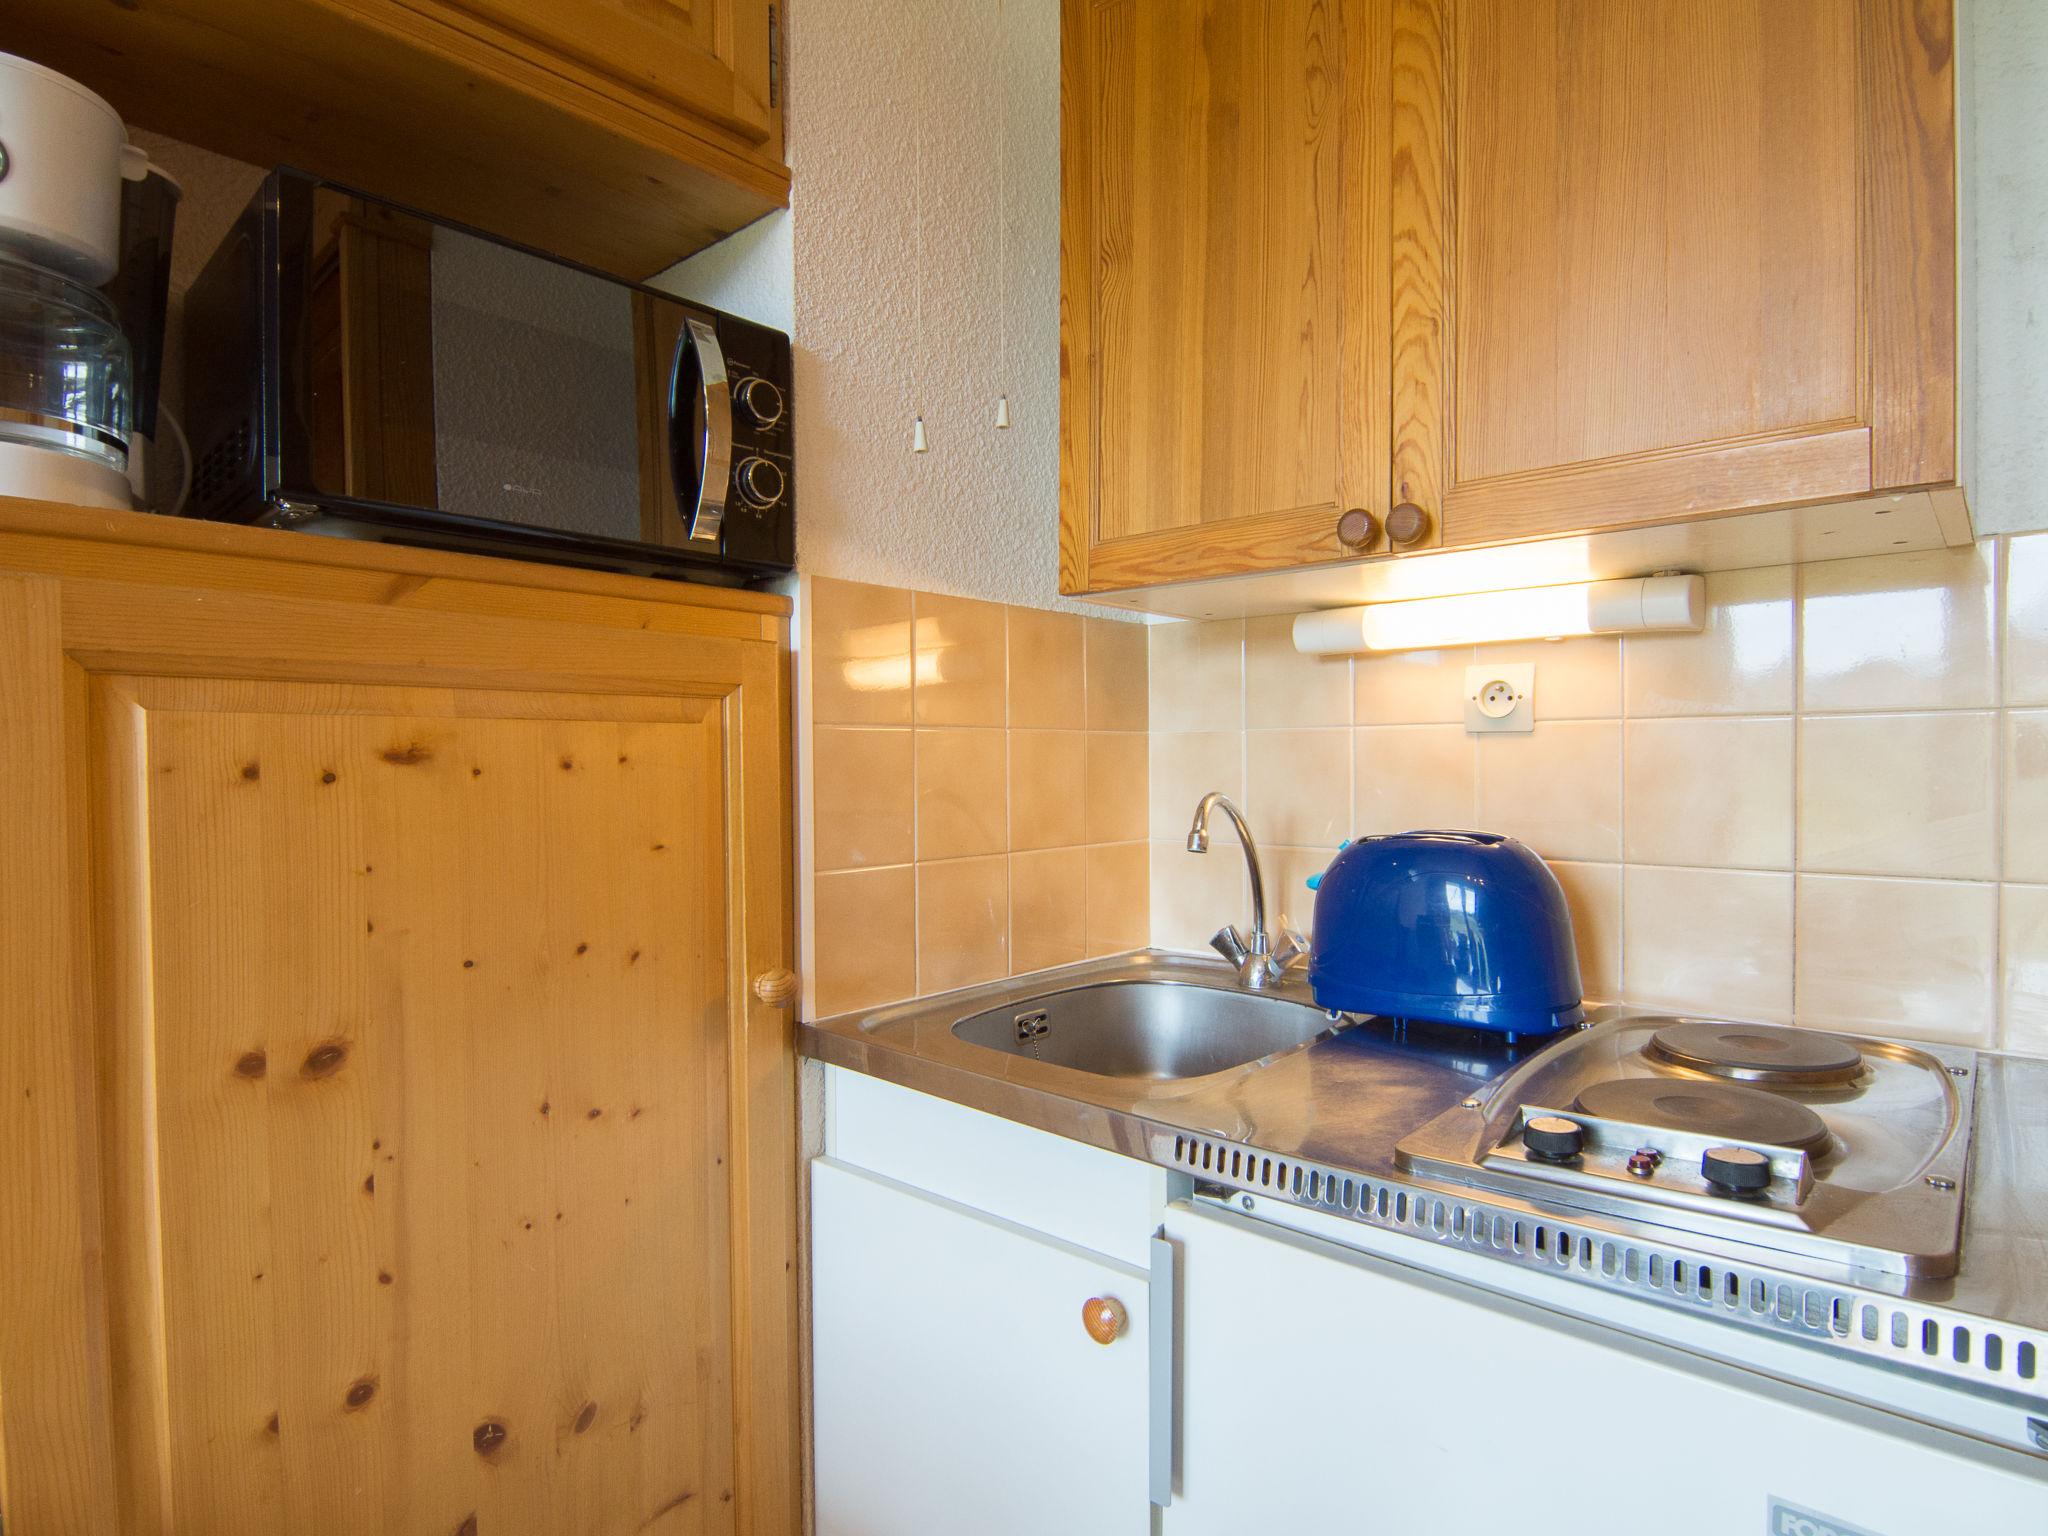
x=218, y=471
x=1863, y=1326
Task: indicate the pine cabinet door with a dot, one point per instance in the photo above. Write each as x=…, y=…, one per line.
x=1223, y=285
x=954, y=1386
x=410, y=1150
x=1657, y=258
x=710, y=58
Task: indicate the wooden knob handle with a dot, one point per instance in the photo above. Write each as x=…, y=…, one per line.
x=1357, y=527
x=1104, y=1317
x=1407, y=523
x=776, y=988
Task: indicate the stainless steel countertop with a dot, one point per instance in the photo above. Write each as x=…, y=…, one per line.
x=1346, y=1100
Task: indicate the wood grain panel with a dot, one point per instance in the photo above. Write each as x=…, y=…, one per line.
x=1661, y=487
x=55, y=1443
x=1909, y=54
x=1668, y=257
x=1420, y=212
x=438, y=109
x=1190, y=554
x=171, y=551
x=1656, y=229
x=418, y=1140
x=1223, y=226
x=390, y=959
x=707, y=57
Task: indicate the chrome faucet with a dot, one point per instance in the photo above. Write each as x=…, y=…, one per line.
x=1264, y=956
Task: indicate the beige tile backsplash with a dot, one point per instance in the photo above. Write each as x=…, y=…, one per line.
x=1830, y=807
x=973, y=791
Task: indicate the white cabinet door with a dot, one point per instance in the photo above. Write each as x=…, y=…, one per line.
x=955, y=1386
x=1329, y=1391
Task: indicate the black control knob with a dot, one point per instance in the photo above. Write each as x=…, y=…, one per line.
x=761, y=401
x=760, y=481
x=1553, y=1139
x=1736, y=1170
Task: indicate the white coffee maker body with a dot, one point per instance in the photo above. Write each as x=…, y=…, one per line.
x=64, y=153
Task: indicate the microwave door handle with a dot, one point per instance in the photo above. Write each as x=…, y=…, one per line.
x=708, y=463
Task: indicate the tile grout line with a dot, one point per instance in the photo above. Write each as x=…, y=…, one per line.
x=2001, y=557
x=1621, y=916
x=1798, y=768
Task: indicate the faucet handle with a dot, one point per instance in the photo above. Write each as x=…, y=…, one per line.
x=1288, y=946
x=1231, y=945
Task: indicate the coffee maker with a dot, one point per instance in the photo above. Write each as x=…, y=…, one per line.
x=85, y=262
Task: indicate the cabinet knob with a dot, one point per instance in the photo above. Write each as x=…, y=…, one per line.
x=1357, y=527
x=1407, y=523
x=1104, y=1318
x=777, y=988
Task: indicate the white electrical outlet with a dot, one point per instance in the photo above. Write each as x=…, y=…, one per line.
x=1501, y=697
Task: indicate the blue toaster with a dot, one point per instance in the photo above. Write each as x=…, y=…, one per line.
x=1463, y=928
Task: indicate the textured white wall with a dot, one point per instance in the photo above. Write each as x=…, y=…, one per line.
x=922, y=257
x=925, y=151
x=2005, y=58
x=749, y=274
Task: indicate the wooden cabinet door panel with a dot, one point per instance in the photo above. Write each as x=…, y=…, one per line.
x=1223, y=272
x=442, y=1172
x=1661, y=255
x=708, y=57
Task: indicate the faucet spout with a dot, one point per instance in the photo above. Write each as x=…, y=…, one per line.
x=1198, y=842
x=1255, y=957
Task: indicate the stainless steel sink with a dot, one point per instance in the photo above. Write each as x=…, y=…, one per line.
x=1155, y=1029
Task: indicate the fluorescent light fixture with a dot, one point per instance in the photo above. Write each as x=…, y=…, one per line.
x=1634, y=605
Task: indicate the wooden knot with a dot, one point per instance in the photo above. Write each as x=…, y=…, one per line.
x=324, y=1060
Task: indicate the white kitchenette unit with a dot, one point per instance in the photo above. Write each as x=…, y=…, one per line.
x=1303, y=1349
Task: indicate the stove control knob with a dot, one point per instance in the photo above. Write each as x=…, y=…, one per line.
x=1735, y=1170
x=760, y=481
x=761, y=401
x=1553, y=1139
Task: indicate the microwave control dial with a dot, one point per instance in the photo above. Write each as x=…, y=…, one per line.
x=760, y=481
x=761, y=401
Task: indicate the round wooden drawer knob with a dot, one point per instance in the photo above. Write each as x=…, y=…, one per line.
x=1356, y=528
x=776, y=988
x=1407, y=523
x=1104, y=1318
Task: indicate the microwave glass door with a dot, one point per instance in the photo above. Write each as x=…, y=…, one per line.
x=448, y=372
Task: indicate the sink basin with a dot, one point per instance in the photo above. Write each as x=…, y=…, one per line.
x=1156, y=1029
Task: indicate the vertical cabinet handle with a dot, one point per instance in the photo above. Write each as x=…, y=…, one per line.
x=1104, y=1317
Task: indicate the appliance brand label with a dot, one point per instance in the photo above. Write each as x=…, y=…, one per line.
x=1790, y=1520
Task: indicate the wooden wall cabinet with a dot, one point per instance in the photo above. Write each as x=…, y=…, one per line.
x=395, y=1140
x=624, y=135
x=1223, y=228
x=1623, y=262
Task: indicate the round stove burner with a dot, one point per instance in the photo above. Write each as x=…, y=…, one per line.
x=1758, y=1053
x=1711, y=1109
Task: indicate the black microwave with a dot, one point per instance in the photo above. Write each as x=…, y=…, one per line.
x=358, y=368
